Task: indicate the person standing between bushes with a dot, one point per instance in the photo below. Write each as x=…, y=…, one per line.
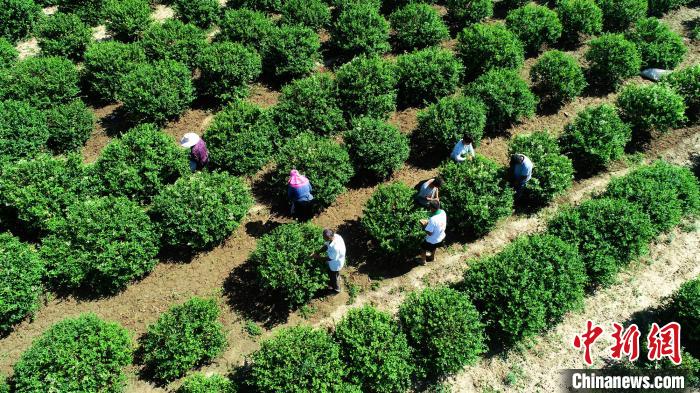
x=521, y=169
x=299, y=194
x=199, y=155
x=434, y=228
x=463, y=150
x=335, y=249
x=429, y=191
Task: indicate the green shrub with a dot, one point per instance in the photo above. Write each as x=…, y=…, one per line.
x=199, y=383
x=360, y=29
x=651, y=107
x=296, y=360
x=527, y=286
x=463, y=13
x=512, y=4
x=553, y=172
x=284, y=262
x=127, y=20
x=659, y=46
x=685, y=308
x=475, y=195
x=174, y=40
x=63, y=35
x=618, y=15
x=427, y=75
x=609, y=233
x=201, y=13
x=596, y=137
x=41, y=81
x=417, y=26
x=341, y=5
x=444, y=328
x=140, y=164
x=309, y=104
x=90, y=11
x=156, y=92
x=8, y=54
x=4, y=385
x=535, y=25
x=326, y=164
x=82, y=354
x=376, y=148
x=292, y=52
x=660, y=7
x=680, y=179
x=258, y=5
x=241, y=138
x=579, y=18
x=21, y=271
x=557, y=78
x=106, y=63
x=483, y=47
x=686, y=82
x=375, y=350
x=612, y=59
x=227, y=69
x=392, y=219
x=367, y=87
x=23, y=131
x=251, y=28
x=313, y=14
x=18, y=19
x=507, y=97
x=70, y=126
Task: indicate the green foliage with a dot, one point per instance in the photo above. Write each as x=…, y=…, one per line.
x=70, y=126
x=612, y=59
x=82, y=354
x=686, y=82
x=557, y=78
x=475, y=195
x=618, y=15
x=685, y=308
x=41, y=81
x=227, y=69
x=507, y=97
x=106, y=63
x=63, y=35
x=313, y=14
x=360, y=29
x=174, y=40
x=609, y=233
x=651, y=107
x=553, y=172
x=375, y=350
x=367, y=87
x=427, y=75
x=4, y=385
x=659, y=46
x=596, y=137
x=8, y=53
x=444, y=328
x=376, y=148
x=660, y=7
x=483, y=47
x=442, y=124
x=251, y=28
x=23, y=131
x=199, y=383
x=417, y=26
x=292, y=52
x=21, y=271
x=127, y=20
x=18, y=19
x=284, y=262
x=463, y=13
x=258, y=5
x=535, y=25
x=201, y=13
x=90, y=11
x=527, y=286
x=579, y=18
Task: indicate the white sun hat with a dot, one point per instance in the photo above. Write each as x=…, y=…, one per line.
x=190, y=139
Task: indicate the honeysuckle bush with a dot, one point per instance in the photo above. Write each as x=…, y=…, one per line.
x=8, y=53
x=360, y=29
x=649, y=108
x=463, y=13
x=609, y=233
x=618, y=15
x=483, y=47
x=596, y=137
x=579, y=19
x=659, y=46
x=526, y=287
x=21, y=271
x=324, y=162
x=375, y=350
x=507, y=97
x=258, y=5
x=23, y=131
x=427, y=75
x=660, y=7
x=63, y=35
x=106, y=63
x=612, y=59
x=284, y=262
x=174, y=40
x=200, y=383
x=222, y=203
x=392, y=219
x=90, y=11
x=186, y=336
x=4, y=385
x=475, y=195
x=553, y=172
x=247, y=27
x=444, y=328
x=227, y=69
x=686, y=82
x=292, y=52
x=127, y=20
x=156, y=92
x=367, y=87
x=535, y=25
x=557, y=78
x=377, y=149
x=81, y=354
x=99, y=245
x=201, y=13
x=19, y=17
x=313, y=14
x=40, y=81
x=417, y=26
x=341, y=5
x=70, y=126
x=685, y=307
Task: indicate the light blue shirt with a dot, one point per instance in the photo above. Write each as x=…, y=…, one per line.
x=461, y=150
x=336, y=253
x=523, y=171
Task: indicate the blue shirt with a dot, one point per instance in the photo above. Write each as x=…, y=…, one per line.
x=296, y=194
x=523, y=171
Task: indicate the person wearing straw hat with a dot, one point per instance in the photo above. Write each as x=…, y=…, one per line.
x=299, y=194
x=199, y=155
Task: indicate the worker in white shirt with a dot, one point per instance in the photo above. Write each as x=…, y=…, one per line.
x=463, y=150
x=435, y=231
x=335, y=249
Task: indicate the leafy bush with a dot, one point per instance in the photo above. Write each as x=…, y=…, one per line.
x=553, y=172
x=23, y=131
x=174, y=40
x=21, y=271
x=507, y=97
x=309, y=104
x=341, y=5
x=660, y=7
x=651, y=107
x=376, y=148
x=685, y=307
x=360, y=29
x=201, y=13
x=444, y=328
x=659, y=46
x=18, y=18
x=535, y=25
x=531, y=283
x=579, y=17
x=90, y=11
x=106, y=63
x=512, y=4
x=227, y=69
x=251, y=28
x=596, y=137
x=313, y=14
x=375, y=350
x=41, y=81
x=199, y=383
x=483, y=47
x=70, y=126
x=156, y=92
x=258, y=5
x=284, y=262
x=463, y=13
x=72, y=349
x=686, y=82
x=4, y=386
x=127, y=20
x=680, y=179
x=64, y=35
x=609, y=233
x=293, y=52
x=367, y=87
x=557, y=78
x=612, y=59
x=475, y=195
x=100, y=245
x=427, y=75
x=8, y=54
x=392, y=219
x=326, y=164
x=618, y=15
x=417, y=26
